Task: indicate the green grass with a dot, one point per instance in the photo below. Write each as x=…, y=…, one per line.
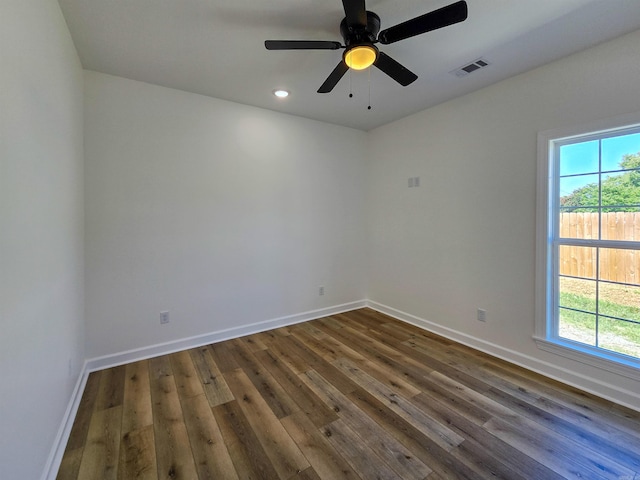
x=615, y=335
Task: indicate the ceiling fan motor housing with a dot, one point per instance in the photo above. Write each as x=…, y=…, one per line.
x=361, y=34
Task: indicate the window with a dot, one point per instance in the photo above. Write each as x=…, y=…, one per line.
x=588, y=273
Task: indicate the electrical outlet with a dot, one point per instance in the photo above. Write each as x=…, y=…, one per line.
x=482, y=315
x=321, y=291
x=164, y=317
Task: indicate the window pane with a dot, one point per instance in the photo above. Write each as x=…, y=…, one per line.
x=620, y=265
x=618, y=225
x=619, y=336
x=579, y=158
x=578, y=224
x=620, y=301
x=614, y=150
x=577, y=294
x=581, y=191
x=577, y=261
x=621, y=189
x=577, y=326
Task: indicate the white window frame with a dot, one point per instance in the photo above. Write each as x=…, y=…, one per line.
x=546, y=221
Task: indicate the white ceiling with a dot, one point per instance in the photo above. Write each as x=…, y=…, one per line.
x=216, y=48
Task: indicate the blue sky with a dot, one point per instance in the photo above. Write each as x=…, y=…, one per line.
x=582, y=158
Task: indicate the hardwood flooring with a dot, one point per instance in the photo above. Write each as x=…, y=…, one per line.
x=352, y=396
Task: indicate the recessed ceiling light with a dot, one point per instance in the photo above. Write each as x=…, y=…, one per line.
x=281, y=93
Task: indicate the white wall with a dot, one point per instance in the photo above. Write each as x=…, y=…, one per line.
x=220, y=213
x=41, y=231
x=466, y=238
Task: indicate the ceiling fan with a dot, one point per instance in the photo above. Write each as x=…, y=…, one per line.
x=359, y=30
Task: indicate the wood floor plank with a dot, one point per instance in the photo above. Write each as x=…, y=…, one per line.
x=316, y=343
x=308, y=474
x=588, y=406
x=591, y=423
x=513, y=410
x=280, y=349
x=286, y=457
x=138, y=455
x=482, y=451
x=184, y=374
x=101, y=452
x=324, y=459
x=392, y=361
x=270, y=390
x=333, y=348
x=214, y=384
x=479, y=400
x=70, y=464
x=160, y=367
x=137, y=411
x=221, y=354
x=111, y=390
x=427, y=358
x=78, y=435
x=173, y=450
x=314, y=409
x=566, y=459
x=365, y=318
x=247, y=454
x=209, y=450
x=446, y=465
x=625, y=453
x=357, y=395
x=255, y=343
x=443, y=435
x=320, y=365
x=267, y=338
x=385, y=446
x=359, y=456
x=371, y=348
x=379, y=370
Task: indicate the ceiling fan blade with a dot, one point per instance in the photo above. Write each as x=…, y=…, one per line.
x=301, y=45
x=333, y=79
x=356, y=12
x=443, y=17
x=399, y=73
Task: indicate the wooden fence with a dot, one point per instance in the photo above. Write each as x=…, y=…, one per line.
x=617, y=265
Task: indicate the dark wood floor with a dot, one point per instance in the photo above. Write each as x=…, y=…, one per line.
x=356, y=396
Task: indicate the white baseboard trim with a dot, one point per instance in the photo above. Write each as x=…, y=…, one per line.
x=601, y=389
x=62, y=437
x=55, y=457
x=173, y=346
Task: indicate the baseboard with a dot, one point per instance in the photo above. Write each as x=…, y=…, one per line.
x=173, y=346
x=62, y=437
x=601, y=389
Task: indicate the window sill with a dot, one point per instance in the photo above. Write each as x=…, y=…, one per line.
x=609, y=361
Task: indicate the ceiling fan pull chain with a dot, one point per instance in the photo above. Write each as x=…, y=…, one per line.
x=350, y=89
x=369, y=107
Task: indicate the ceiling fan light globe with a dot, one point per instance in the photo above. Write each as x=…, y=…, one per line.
x=360, y=57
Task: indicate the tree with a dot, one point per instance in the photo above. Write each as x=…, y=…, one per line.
x=618, y=190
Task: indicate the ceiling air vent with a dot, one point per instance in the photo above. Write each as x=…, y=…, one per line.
x=470, y=68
